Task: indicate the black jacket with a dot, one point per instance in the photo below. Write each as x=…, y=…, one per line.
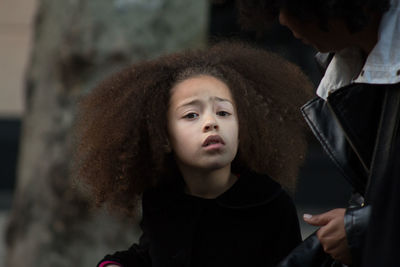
x=350, y=126
x=254, y=223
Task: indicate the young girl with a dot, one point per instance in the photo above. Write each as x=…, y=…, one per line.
x=203, y=139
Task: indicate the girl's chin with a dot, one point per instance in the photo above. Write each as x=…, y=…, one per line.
x=211, y=167
x=214, y=166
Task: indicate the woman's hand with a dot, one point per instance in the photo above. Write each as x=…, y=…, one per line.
x=332, y=233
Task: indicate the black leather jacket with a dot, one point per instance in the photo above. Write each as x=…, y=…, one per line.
x=359, y=128
x=347, y=126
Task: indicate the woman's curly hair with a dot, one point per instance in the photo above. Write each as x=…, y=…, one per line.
x=121, y=130
x=258, y=14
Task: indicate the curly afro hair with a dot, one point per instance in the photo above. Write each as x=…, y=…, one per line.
x=258, y=14
x=121, y=129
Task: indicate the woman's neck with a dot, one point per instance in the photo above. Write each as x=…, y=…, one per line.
x=208, y=184
x=368, y=37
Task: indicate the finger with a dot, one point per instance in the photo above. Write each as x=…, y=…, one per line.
x=316, y=220
x=323, y=218
x=331, y=230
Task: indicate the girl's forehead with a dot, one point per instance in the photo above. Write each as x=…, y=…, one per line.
x=202, y=86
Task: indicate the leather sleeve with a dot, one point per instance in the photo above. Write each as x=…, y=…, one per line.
x=356, y=222
x=309, y=253
x=382, y=243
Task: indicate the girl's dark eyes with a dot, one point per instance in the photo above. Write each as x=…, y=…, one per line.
x=223, y=113
x=191, y=115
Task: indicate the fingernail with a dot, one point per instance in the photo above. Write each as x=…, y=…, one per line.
x=307, y=216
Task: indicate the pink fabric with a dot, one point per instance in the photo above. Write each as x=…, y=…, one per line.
x=105, y=263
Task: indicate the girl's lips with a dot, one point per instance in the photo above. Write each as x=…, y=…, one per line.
x=213, y=141
x=215, y=146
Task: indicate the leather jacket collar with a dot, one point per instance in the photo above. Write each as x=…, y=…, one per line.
x=346, y=126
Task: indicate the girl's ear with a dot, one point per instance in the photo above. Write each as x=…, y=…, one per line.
x=167, y=147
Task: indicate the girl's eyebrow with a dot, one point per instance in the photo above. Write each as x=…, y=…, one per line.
x=190, y=103
x=199, y=102
x=216, y=98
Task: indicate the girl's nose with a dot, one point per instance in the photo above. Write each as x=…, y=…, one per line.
x=210, y=124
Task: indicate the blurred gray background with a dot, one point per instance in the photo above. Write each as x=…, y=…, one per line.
x=15, y=40
x=320, y=186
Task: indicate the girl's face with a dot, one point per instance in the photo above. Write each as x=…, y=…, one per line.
x=202, y=124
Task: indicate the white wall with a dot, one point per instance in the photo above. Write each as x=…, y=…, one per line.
x=15, y=36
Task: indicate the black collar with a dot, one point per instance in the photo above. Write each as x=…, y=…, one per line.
x=250, y=190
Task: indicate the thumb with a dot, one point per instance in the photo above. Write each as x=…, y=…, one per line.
x=316, y=220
